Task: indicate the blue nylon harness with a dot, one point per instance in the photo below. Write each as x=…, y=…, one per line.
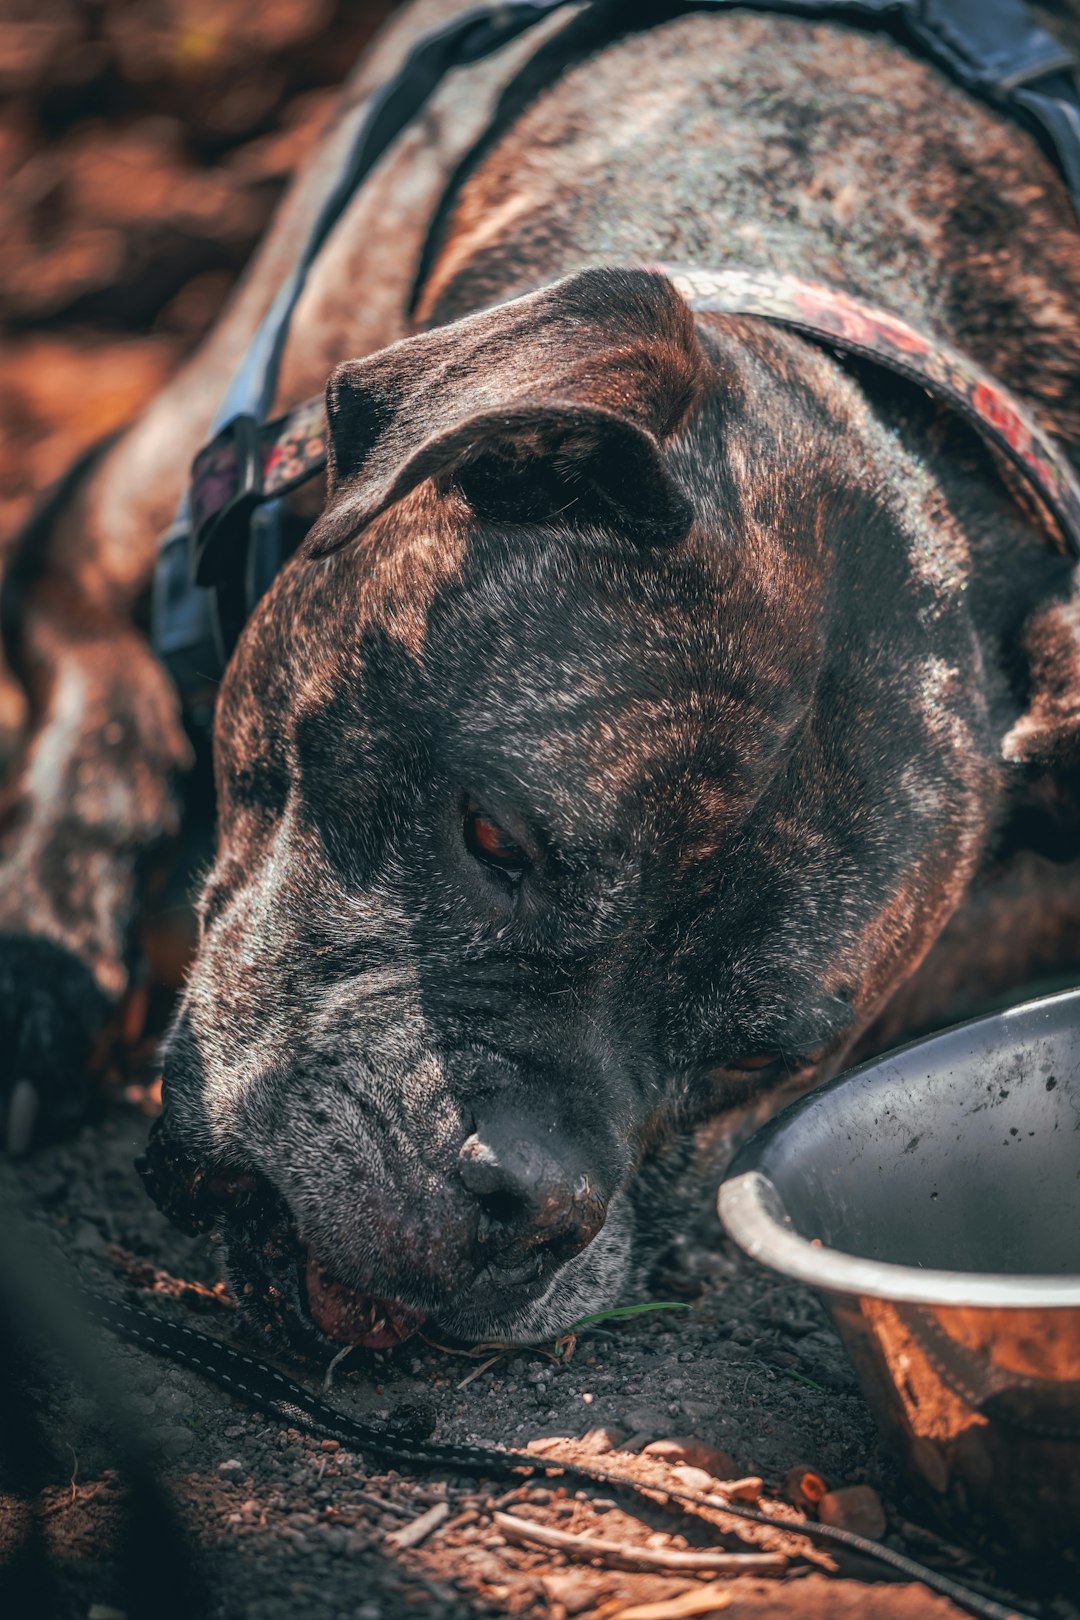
x=201, y=599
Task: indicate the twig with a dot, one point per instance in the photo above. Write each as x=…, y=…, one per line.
x=696, y=1601
x=514, y=1494
x=411, y=1535
x=328, y=1376
x=740, y=1490
x=717, y=1562
x=469, y=1516
x=502, y=1346
x=474, y=1350
x=483, y=1367
x=383, y=1506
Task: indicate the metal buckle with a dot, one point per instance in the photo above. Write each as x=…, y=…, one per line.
x=217, y=526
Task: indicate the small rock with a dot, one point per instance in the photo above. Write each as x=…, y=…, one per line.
x=546, y=1443
x=646, y=1417
x=699, y=1411
x=803, y=1486
x=693, y=1479
x=231, y=1470
x=796, y=1326
x=596, y=1442
x=696, y=1454
x=854, y=1507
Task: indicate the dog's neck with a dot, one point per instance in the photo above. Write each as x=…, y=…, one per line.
x=793, y=162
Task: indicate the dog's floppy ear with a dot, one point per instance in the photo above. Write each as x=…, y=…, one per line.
x=558, y=400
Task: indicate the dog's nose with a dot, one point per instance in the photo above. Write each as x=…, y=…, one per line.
x=531, y=1194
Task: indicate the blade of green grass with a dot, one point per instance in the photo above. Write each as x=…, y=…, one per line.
x=789, y=1372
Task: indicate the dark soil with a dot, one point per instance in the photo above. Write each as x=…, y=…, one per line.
x=282, y=1523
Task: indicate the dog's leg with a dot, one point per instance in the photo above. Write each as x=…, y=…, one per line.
x=92, y=799
x=92, y=793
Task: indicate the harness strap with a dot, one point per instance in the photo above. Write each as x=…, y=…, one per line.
x=246, y=465
x=195, y=630
x=994, y=48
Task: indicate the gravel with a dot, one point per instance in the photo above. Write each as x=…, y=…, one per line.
x=284, y=1524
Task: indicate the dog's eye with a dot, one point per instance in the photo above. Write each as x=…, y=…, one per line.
x=486, y=841
x=793, y=1063
x=753, y=1061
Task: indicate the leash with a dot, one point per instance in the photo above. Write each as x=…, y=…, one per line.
x=269, y=1391
x=210, y=574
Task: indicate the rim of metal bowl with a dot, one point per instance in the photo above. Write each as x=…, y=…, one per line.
x=753, y=1213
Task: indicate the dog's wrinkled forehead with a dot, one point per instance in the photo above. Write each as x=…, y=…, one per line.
x=514, y=547
x=580, y=560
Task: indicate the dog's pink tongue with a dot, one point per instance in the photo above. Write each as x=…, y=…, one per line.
x=353, y=1318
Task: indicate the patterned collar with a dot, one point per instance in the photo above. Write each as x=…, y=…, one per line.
x=249, y=463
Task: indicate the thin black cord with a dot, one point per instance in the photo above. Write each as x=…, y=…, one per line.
x=264, y=1387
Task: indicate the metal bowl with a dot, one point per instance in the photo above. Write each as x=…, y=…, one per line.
x=933, y=1196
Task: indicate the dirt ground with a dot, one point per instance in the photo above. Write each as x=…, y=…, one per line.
x=284, y=1524
x=142, y=149
x=144, y=145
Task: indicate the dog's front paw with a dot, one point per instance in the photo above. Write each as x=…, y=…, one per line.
x=53, y=1023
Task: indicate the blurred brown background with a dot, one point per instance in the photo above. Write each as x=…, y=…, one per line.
x=143, y=146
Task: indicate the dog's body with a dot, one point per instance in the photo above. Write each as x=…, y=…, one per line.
x=692, y=709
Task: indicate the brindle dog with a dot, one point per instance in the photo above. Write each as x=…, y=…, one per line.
x=659, y=710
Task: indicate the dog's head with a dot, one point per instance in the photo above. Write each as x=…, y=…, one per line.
x=617, y=743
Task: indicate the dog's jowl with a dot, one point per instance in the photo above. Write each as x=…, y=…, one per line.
x=659, y=708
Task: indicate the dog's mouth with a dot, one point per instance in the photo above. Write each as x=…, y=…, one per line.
x=349, y=1317
x=287, y=1289
x=278, y=1278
